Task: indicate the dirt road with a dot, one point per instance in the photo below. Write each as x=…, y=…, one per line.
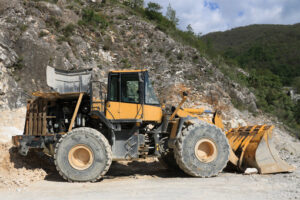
x=141, y=180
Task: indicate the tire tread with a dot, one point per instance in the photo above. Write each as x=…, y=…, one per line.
x=100, y=137
x=178, y=151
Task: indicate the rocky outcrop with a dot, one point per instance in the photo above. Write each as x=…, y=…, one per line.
x=35, y=34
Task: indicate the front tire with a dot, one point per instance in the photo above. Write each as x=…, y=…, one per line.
x=202, y=150
x=83, y=154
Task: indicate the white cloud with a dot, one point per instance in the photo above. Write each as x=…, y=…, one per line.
x=205, y=17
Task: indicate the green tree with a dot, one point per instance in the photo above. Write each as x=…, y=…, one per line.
x=297, y=112
x=153, y=7
x=171, y=15
x=199, y=35
x=296, y=84
x=189, y=28
x=153, y=12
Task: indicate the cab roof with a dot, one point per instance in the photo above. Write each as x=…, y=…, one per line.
x=126, y=71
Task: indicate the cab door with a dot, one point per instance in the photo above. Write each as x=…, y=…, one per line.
x=124, y=96
x=130, y=104
x=113, y=97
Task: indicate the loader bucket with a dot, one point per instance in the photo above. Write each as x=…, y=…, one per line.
x=253, y=146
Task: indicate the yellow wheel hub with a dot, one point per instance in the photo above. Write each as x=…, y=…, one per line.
x=80, y=157
x=206, y=150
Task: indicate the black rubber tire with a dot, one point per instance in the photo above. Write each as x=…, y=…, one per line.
x=168, y=160
x=96, y=142
x=185, y=150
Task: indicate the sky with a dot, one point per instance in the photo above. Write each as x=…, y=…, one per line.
x=219, y=15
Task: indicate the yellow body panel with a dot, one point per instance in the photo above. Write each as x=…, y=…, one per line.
x=120, y=110
x=112, y=110
x=130, y=111
x=198, y=111
x=152, y=113
x=217, y=119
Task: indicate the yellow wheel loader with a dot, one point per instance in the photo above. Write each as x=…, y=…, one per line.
x=86, y=126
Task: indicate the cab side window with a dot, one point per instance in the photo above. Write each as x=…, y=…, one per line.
x=130, y=88
x=114, y=88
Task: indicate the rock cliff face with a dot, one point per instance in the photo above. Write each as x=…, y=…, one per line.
x=34, y=34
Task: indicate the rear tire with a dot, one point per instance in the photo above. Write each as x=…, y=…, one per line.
x=202, y=150
x=83, y=154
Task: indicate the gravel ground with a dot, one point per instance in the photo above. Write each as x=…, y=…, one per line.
x=129, y=181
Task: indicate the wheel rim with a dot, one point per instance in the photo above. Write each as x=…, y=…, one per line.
x=80, y=157
x=206, y=150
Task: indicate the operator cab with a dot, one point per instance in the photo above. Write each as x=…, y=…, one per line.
x=131, y=97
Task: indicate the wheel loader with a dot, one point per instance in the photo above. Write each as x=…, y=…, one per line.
x=86, y=126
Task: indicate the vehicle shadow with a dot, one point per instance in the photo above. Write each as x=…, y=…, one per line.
x=145, y=167
x=142, y=168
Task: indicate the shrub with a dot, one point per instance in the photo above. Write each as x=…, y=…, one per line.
x=68, y=30
x=123, y=17
x=42, y=34
x=134, y=3
x=90, y=17
x=53, y=22
x=18, y=64
x=180, y=56
x=168, y=54
x=195, y=58
x=126, y=63
x=296, y=84
x=23, y=27
x=107, y=45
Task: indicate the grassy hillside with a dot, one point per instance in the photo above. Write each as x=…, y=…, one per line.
x=272, y=47
x=270, y=54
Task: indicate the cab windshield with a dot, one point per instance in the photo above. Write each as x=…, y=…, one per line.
x=150, y=96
